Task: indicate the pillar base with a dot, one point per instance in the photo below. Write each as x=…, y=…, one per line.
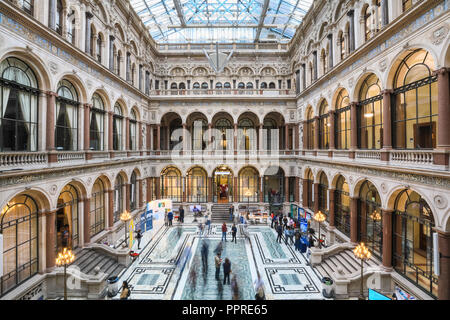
x=441, y=158
x=52, y=157
x=385, y=155
x=88, y=155
x=351, y=155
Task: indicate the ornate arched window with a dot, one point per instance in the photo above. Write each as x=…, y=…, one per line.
x=227, y=85
x=323, y=194
x=324, y=126
x=342, y=206
x=370, y=114
x=19, y=226
x=197, y=185
x=412, y=240
x=182, y=86
x=309, y=190
x=224, y=126
x=117, y=128
x=96, y=127
x=272, y=85
x=97, y=207
x=272, y=136
x=219, y=85
x=247, y=136
x=249, y=85
x=416, y=106
x=342, y=123
x=98, y=48
x=71, y=29
x=263, y=85
x=66, y=133
x=196, y=85
x=241, y=85
x=67, y=219
x=172, y=184
x=204, y=85
x=370, y=218
x=173, y=86
x=134, y=190
x=118, y=197
x=18, y=106
x=198, y=129
x=248, y=185
x=133, y=131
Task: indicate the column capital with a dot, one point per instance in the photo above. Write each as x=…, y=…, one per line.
x=387, y=211
x=51, y=93
x=387, y=91
x=353, y=104
x=87, y=105
x=441, y=71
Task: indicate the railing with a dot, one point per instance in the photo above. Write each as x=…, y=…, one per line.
x=412, y=157
x=120, y=154
x=223, y=46
x=310, y=153
x=322, y=153
x=340, y=153
x=66, y=156
x=220, y=92
x=100, y=155
x=368, y=154
x=134, y=153
x=19, y=159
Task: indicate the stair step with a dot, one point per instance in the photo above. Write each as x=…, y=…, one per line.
x=107, y=265
x=345, y=263
x=116, y=271
x=348, y=254
x=111, y=269
x=101, y=260
x=91, y=265
x=85, y=259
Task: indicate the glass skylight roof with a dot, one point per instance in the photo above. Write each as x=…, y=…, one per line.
x=224, y=21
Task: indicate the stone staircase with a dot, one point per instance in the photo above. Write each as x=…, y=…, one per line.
x=92, y=262
x=220, y=213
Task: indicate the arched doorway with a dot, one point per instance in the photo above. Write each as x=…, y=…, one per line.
x=308, y=189
x=67, y=219
x=97, y=208
x=370, y=218
x=248, y=185
x=20, y=230
x=342, y=206
x=196, y=185
x=223, y=184
x=412, y=240
x=323, y=194
x=274, y=186
x=172, y=184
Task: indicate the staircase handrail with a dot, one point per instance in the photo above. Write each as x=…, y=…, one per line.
x=121, y=254
x=318, y=255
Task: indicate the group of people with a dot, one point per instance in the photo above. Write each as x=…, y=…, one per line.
x=286, y=226
x=169, y=216
x=233, y=232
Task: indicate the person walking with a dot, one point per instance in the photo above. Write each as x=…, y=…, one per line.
x=231, y=213
x=170, y=217
x=226, y=271
x=125, y=291
x=272, y=216
x=233, y=233
x=218, y=262
x=139, y=237
x=280, y=232
x=224, y=231
x=235, y=288
x=297, y=241
x=181, y=211
x=286, y=235
x=208, y=221
x=166, y=218
x=259, y=288
x=204, y=252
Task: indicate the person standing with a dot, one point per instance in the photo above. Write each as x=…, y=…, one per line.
x=231, y=213
x=286, y=235
x=226, y=271
x=218, y=262
x=280, y=232
x=139, y=237
x=166, y=218
x=208, y=220
x=205, y=249
x=272, y=216
x=233, y=233
x=170, y=217
x=125, y=291
x=224, y=231
x=297, y=241
x=181, y=214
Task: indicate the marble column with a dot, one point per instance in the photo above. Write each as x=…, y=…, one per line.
x=88, y=33
x=261, y=142
x=157, y=187
x=305, y=136
x=127, y=196
x=149, y=189
x=351, y=16
x=86, y=131
x=297, y=138
x=305, y=193
x=316, y=133
x=297, y=190
x=50, y=125
x=149, y=137
x=385, y=12
x=332, y=119
x=316, y=197
x=387, y=238
x=286, y=138
x=140, y=200
x=354, y=220
x=210, y=189
x=111, y=53
x=261, y=189
x=387, y=124
x=140, y=146
x=158, y=138
x=52, y=14
x=444, y=262
x=353, y=129
x=235, y=138
x=443, y=132
x=127, y=133
x=331, y=208
x=50, y=239
x=110, y=132
x=330, y=52
x=286, y=189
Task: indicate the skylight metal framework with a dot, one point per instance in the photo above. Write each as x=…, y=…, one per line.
x=224, y=21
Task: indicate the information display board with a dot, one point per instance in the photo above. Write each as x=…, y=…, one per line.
x=375, y=295
x=149, y=217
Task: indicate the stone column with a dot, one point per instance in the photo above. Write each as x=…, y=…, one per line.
x=127, y=196
x=158, y=138
x=184, y=189
x=50, y=239
x=140, y=146
x=52, y=15
x=353, y=129
x=210, y=146
x=286, y=138
x=305, y=136
x=443, y=132
x=354, y=220
x=127, y=133
x=316, y=133
x=444, y=261
x=86, y=220
x=157, y=187
x=110, y=133
x=235, y=190
x=330, y=53
x=210, y=189
x=286, y=189
x=110, y=208
x=261, y=189
x=140, y=200
x=261, y=142
x=86, y=131
x=331, y=208
x=385, y=12
x=111, y=53
x=387, y=238
x=316, y=197
x=297, y=190
x=351, y=15
x=332, y=119
x=88, y=33
x=387, y=124
x=235, y=138
x=297, y=138
x=50, y=126
x=149, y=189
x=149, y=137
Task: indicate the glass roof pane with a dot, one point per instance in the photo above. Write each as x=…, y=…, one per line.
x=205, y=21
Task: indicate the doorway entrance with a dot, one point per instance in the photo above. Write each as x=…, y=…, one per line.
x=67, y=219
x=223, y=185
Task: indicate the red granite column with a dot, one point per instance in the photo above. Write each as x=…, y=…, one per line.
x=331, y=207
x=86, y=222
x=387, y=238
x=443, y=132
x=286, y=189
x=50, y=239
x=316, y=133
x=149, y=190
x=332, y=119
x=50, y=129
x=286, y=138
x=353, y=129
x=140, y=147
x=316, y=197
x=444, y=261
x=140, y=201
x=305, y=193
x=149, y=138
x=297, y=190
x=110, y=134
x=157, y=187
x=110, y=208
x=297, y=138
x=158, y=138
x=354, y=220
x=305, y=137
x=127, y=196
x=387, y=124
x=210, y=189
x=86, y=131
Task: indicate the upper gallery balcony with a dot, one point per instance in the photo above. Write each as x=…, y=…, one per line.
x=220, y=93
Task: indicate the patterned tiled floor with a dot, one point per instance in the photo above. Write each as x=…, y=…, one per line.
x=170, y=266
